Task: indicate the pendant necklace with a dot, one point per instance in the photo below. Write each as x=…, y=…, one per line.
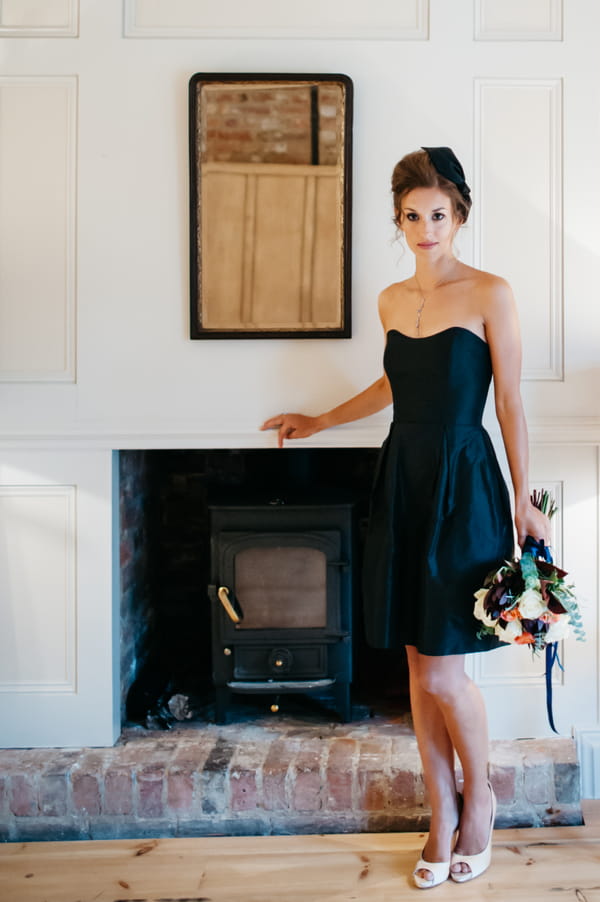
x=423, y=302
x=420, y=307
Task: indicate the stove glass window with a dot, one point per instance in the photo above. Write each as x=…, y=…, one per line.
x=282, y=587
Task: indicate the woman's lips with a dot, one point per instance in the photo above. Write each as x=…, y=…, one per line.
x=427, y=244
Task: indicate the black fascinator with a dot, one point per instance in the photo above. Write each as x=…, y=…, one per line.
x=446, y=163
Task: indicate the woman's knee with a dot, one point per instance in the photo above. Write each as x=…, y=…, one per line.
x=441, y=681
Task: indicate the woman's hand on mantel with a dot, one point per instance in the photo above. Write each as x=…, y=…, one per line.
x=293, y=425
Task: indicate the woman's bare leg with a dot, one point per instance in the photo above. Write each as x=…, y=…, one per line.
x=442, y=688
x=437, y=755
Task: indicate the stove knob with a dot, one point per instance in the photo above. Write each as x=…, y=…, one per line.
x=281, y=660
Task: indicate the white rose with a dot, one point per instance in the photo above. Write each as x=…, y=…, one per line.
x=479, y=610
x=531, y=605
x=510, y=632
x=559, y=630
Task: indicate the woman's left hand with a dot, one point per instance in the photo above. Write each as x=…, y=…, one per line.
x=530, y=521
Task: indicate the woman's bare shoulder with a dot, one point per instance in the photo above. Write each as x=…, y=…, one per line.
x=394, y=289
x=389, y=300
x=391, y=294
x=492, y=293
x=490, y=284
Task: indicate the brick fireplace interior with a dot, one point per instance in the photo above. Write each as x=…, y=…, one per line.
x=165, y=572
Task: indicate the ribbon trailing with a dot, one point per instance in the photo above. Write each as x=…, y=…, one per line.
x=541, y=551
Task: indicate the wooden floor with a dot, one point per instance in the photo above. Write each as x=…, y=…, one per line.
x=560, y=863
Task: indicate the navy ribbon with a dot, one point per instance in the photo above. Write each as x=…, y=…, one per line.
x=541, y=551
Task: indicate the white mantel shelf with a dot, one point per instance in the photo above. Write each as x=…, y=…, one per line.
x=549, y=431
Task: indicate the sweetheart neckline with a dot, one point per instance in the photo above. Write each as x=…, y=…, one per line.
x=441, y=332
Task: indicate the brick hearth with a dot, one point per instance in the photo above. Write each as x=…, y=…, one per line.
x=280, y=775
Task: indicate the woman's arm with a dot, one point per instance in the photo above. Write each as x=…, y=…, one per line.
x=374, y=398
x=296, y=425
x=502, y=332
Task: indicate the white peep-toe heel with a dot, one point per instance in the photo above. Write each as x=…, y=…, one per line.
x=439, y=869
x=476, y=863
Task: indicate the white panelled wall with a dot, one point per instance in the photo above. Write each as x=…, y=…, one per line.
x=94, y=347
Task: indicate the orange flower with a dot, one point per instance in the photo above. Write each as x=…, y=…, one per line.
x=525, y=639
x=513, y=614
x=550, y=618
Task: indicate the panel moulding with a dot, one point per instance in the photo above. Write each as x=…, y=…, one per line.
x=382, y=19
x=51, y=529
x=40, y=18
x=519, y=186
x=499, y=20
x=38, y=223
x=588, y=753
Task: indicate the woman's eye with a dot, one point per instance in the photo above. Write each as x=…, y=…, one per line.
x=412, y=217
x=438, y=216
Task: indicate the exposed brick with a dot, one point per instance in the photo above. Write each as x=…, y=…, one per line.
x=184, y=775
x=302, y=785
x=503, y=780
x=373, y=779
x=244, y=790
x=23, y=795
x=53, y=790
x=340, y=774
x=275, y=771
x=538, y=783
x=118, y=791
x=214, y=780
x=402, y=789
x=87, y=777
x=150, y=781
x=566, y=783
x=307, y=783
x=245, y=777
x=3, y=798
x=373, y=790
x=180, y=790
x=86, y=793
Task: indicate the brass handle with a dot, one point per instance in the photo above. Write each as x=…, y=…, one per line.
x=223, y=595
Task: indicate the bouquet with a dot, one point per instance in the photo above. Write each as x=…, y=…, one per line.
x=527, y=601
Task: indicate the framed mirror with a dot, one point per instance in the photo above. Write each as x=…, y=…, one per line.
x=270, y=205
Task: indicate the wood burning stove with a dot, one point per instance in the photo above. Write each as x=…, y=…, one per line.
x=281, y=601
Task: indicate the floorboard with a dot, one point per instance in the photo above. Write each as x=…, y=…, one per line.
x=560, y=863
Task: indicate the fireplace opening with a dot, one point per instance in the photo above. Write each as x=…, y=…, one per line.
x=168, y=651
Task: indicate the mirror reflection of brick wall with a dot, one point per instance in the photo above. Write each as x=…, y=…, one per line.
x=273, y=125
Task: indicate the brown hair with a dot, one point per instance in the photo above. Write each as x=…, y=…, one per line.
x=416, y=170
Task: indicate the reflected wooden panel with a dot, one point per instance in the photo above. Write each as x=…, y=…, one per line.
x=283, y=269
x=270, y=206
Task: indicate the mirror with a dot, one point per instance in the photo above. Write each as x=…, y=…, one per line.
x=270, y=191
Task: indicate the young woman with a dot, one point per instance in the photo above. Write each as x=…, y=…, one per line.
x=440, y=512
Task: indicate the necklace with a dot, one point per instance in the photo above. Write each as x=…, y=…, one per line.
x=423, y=302
x=420, y=307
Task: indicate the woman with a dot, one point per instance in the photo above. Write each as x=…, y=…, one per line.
x=440, y=513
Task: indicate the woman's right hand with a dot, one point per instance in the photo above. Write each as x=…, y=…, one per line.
x=292, y=425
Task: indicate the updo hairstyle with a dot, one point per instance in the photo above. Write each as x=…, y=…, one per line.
x=416, y=170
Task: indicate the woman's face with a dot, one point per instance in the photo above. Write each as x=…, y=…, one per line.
x=428, y=221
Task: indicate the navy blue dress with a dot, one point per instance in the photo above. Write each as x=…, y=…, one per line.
x=440, y=512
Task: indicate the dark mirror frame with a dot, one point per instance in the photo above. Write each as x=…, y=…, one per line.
x=197, y=81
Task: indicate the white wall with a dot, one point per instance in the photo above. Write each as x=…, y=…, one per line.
x=94, y=347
